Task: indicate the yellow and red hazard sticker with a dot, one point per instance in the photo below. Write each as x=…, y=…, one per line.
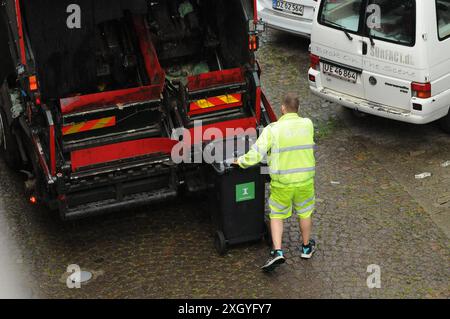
x=223, y=101
x=89, y=125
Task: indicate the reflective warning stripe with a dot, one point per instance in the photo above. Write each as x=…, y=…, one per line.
x=305, y=202
x=278, y=206
x=294, y=148
x=292, y=171
x=229, y=99
x=305, y=210
x=259, y=151
x=272, y=212
x=89, y=125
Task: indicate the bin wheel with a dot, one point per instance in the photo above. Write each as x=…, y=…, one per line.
x=220, y=243
x=267, y=235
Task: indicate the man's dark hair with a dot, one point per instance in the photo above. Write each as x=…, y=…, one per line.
x=291, y=102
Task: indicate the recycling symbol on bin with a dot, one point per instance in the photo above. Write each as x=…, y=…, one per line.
x=245, y=192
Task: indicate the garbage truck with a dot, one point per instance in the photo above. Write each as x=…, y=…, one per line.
x=93, y=90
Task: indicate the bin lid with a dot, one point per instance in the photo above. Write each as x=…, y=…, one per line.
x=222, y=153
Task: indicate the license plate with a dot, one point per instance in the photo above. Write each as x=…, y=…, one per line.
x=342, y=73
x=288, y=6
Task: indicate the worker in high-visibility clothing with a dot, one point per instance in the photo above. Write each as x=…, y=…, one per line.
x=288, y=145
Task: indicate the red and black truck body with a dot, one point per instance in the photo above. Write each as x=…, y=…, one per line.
x=92, y=91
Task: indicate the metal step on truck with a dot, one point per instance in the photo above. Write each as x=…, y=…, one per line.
x=92, y=91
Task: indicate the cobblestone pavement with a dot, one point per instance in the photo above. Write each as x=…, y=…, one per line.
x=371, y=210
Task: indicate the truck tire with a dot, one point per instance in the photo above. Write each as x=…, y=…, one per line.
x=8, y=144
x=445, y=123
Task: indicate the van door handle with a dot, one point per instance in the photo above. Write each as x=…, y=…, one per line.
x=364, y=47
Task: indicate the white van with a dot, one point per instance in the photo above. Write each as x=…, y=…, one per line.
x=294, y=16
x=389, y=58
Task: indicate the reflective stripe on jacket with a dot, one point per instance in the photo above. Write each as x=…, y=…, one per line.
x=289, y=147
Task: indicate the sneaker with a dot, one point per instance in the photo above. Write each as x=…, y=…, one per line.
x=308, y=251
x=276, y=259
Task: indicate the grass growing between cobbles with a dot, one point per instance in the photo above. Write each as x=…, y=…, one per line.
x=325, y=129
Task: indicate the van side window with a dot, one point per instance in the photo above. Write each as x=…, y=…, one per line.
x=341, y=14
x=443, y=18
x=397, y=21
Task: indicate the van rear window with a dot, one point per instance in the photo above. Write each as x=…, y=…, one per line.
x=386, y=20
x=443, y=18
x=341, y=14
x=396, y=23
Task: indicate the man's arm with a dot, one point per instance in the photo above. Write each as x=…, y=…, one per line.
x=258, y=151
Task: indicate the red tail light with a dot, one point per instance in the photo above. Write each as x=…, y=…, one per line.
x=33, y=83
x=315, y=61
x=33, y=200
x=253, y=43
x=421, y=90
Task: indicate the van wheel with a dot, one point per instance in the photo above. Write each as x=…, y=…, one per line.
x=445, y=123
x=354, y=113
x=8, y=145
x=359, y=114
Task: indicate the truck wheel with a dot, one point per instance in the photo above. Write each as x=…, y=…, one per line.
x=445, y=123
x=220, y=243
x=8, y=145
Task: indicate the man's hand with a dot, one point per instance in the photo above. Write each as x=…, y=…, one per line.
x=235, y=163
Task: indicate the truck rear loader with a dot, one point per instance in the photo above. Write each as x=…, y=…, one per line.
x=92, y=91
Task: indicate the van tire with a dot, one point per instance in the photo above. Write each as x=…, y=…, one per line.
x=8, y=144
x=445, y=123
x=354, y=113
x=359, y=114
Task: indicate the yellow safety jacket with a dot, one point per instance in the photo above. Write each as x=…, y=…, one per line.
x=289, y=147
